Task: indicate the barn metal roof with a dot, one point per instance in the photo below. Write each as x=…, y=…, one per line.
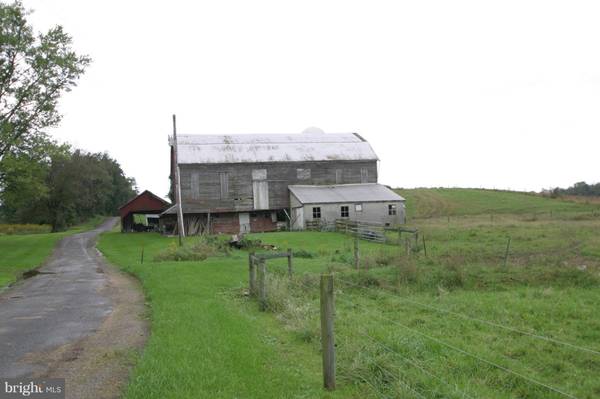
x=344, y=193
x=242, y=148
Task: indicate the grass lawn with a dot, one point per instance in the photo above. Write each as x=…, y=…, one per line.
x=19, y=253
x=457, y=323
x=208, y=340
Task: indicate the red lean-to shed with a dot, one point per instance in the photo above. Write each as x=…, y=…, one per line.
x=146, y=203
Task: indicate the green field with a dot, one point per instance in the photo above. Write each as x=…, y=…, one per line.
x=458, y=322
x=442, y=202
x=21, y=252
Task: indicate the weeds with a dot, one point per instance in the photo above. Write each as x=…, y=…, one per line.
x=287, y=298
x=204, y=247
x=10, y=229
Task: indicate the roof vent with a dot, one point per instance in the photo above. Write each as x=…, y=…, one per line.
x=313, y=130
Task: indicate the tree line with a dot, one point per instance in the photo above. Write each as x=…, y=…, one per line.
x=61, y=186
x=42, y=181
x=579, y=188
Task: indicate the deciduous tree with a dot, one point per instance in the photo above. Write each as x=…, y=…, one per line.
x=35, y=69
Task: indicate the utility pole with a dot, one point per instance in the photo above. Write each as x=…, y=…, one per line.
x=180, y=229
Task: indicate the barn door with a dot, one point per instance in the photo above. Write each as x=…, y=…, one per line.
x=244, y=222
x=260, y=190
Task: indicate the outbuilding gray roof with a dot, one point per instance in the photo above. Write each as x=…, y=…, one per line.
x=243, y=148
x=344, y=193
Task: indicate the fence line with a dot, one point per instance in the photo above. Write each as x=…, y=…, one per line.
x=467, y=317
x=264, y=305
x=466, y=353
x=370, y=231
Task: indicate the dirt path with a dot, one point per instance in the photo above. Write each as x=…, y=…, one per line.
x=78, y=319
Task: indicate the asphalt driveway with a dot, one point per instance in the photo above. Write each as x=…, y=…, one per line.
x=64, y=303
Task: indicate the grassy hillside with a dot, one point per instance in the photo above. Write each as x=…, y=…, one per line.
x=442, y=202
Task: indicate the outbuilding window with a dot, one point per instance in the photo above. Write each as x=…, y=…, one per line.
x=344, y=211
x=317, y=212
x=358, y=208
x=392, y=209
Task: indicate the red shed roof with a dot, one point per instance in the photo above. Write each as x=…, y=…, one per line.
x=145, y=202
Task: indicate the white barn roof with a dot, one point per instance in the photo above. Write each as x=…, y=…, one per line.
x=242, y=148
x=344, y=193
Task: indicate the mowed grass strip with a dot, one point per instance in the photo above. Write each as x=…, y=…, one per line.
x=207, y=340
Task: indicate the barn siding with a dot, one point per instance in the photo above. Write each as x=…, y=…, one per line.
x=206, y=194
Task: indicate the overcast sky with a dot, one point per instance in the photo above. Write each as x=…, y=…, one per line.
x=502, y=94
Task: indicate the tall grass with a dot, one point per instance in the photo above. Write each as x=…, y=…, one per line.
x=10, y=229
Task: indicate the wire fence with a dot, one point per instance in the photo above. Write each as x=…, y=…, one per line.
x=341, y=296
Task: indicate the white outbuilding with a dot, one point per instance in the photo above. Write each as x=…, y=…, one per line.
x=366, y=202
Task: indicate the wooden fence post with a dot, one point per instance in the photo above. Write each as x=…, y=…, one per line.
x=356, y=253
x=327, y=333
x=506, y=253
x=262, y=287
x=290, y=255
x=251, y=274
x=424, y=246
x=407, y=246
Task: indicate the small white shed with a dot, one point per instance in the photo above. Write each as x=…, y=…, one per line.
x=367, y=202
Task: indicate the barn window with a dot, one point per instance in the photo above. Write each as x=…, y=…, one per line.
x=317, y=212
x=392, y=209
x=303, y=174
x=259, y=174
x=358, y=207
x=364, y=175
x=345, y=211
x=224, y=181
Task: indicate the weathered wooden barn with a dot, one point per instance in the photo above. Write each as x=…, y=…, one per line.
x=368, y=202
x=240, y=183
